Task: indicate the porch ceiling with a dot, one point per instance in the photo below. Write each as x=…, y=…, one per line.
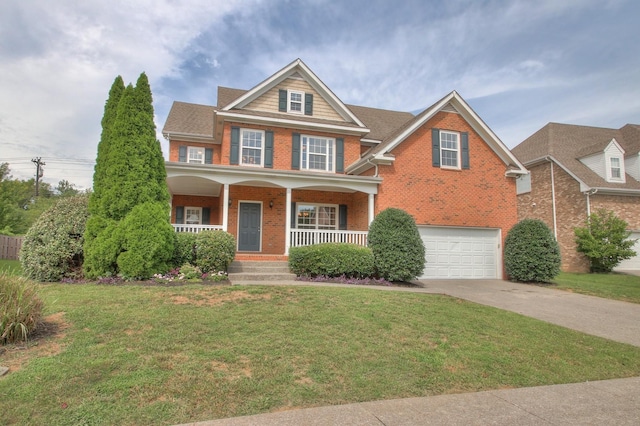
x=190, y=185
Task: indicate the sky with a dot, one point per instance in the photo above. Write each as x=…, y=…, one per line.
x=519, y=64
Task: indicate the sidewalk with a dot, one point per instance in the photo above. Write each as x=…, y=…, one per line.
x=590, y=403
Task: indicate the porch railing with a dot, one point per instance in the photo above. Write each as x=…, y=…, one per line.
x=307, y=237
x=194, y=229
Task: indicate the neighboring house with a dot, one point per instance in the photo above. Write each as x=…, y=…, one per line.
x=287, y=163
x=576, y=170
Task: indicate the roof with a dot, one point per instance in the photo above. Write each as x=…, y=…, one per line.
x=567, y=143
x=190, y=120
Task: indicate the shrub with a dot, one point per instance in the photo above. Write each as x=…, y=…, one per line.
x=185, y=249
x=332, y=260
x=605, y=241
x=102, y=244
x=20, y=308
x=215, y=250
x=531, y=253
x=147, y=241
x=190, y=272
x=397, y=248
x=53, y=246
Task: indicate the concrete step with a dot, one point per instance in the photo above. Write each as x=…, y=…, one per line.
x=260, y=276
x=267, y=267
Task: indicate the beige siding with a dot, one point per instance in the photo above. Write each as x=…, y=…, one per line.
x=269, y=101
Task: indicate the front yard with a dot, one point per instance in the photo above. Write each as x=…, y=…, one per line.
x=611, y=286
x=164, y=355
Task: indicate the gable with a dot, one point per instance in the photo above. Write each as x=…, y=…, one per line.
x=609, y=163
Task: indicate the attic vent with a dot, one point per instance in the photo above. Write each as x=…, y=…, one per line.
x=449, y=108
x=296, y=75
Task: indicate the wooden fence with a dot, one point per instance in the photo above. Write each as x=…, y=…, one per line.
x=10, y=247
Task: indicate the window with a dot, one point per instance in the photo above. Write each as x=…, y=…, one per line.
x=616, y=170
x=295, y=101
x=312, y=216
x=194, y=215
x=317, y=153
x=449, y=150
x=252, y=147
x=195, y=155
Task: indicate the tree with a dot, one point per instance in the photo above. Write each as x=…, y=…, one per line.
x=604, y=240
x=397, y=247
x=66, y=189
x=531, y=252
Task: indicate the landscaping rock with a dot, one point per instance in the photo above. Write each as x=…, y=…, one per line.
x=3, y=370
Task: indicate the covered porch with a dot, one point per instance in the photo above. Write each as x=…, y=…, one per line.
x=270, y=211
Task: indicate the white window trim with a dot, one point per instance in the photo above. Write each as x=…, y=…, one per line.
x=317, y=207
x=262, y=148
x=186, y=215
x=610, y=176
x=458, y=151
x=298, y=92
x=330, y=165
x=190, y=148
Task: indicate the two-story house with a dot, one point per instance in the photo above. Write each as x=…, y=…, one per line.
x=287, y=163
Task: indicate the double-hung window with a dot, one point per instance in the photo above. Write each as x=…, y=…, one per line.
x=193, y=215
x=615, y=168
x=252, y=147
x=295, y=100
x=316, y=216
x=317, y=153
x=449, y=149
x=195, y=155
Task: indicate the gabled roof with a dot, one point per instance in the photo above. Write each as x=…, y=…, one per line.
x=452, y=102
x=567, y=143
x=190, y=120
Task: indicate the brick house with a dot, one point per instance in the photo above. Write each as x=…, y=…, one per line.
x=575, y=170
x=287, y=163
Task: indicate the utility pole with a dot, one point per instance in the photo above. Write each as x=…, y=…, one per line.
x=39, y=171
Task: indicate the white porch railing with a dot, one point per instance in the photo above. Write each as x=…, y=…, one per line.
x=307, y=237
x=194, y=229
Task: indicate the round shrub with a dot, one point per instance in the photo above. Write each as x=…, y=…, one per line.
x=185, y=249
x=332, y=260
x=147, y=241
x=398, y=250
x=102, y=244
x=20, y=308
x=531, y=253
x=215, y=250
x=52, y=248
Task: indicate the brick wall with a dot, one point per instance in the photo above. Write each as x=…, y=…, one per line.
x=214, y=203
x=174, y=150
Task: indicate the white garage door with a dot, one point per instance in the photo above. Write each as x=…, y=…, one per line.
x=634, y=262
x=461, y=252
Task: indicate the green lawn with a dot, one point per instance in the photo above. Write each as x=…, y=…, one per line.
x=612, y=286
x=11, y=266
x=165, y=355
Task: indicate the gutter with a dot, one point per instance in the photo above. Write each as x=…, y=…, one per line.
x=553, y=200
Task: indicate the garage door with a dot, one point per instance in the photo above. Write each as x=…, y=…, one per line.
x=461, y=252
x=634, y=262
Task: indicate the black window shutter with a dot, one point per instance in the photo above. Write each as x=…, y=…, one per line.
x=342, y=217
x=294, y=215
x=268, y=149
x=308, y=104
x=208, y=156
x=235, y=145
x=339, y=155
x=295, y=152
x=179, y=214
x=182, y=154
x=206, y=215
x=464, y=137
x=435, y=147
x=282, y=100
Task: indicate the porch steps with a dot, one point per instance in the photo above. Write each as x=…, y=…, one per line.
x=252, y=270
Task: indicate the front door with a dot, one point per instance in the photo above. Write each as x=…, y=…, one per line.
x=249, y=227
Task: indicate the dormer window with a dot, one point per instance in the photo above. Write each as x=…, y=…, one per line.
x=615, y=169
x=295, y=102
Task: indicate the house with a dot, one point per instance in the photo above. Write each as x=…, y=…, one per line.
x=575, y=170
x=287, y=163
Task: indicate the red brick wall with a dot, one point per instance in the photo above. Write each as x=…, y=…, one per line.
x=196, y=201
x=174, y=149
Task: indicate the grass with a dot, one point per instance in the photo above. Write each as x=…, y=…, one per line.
x=165, y=355
x=611, y=286
x=10, y=266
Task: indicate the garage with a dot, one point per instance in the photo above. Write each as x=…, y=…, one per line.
x=461, y=253
x=634, y=262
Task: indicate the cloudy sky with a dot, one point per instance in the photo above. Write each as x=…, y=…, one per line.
x=520, y=64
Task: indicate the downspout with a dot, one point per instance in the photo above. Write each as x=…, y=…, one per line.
x=553, y=201
x=374, y=165
x=588, y=194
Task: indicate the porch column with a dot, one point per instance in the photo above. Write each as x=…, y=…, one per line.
x=371, y=208
x=225, y=207
x=287, y=223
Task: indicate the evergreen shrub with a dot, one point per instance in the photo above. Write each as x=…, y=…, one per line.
x=185, y=249
x=398, y=250
x=215, y=250
x=531, y=253
x=102, y=244
x=53, y=246
x=332, y=260
x=20, y=308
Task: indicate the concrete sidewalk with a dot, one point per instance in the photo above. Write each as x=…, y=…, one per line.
x=591, y=403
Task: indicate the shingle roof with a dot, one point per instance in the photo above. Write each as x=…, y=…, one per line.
x=226, y=95
x=568, y=143
x=190, y=119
